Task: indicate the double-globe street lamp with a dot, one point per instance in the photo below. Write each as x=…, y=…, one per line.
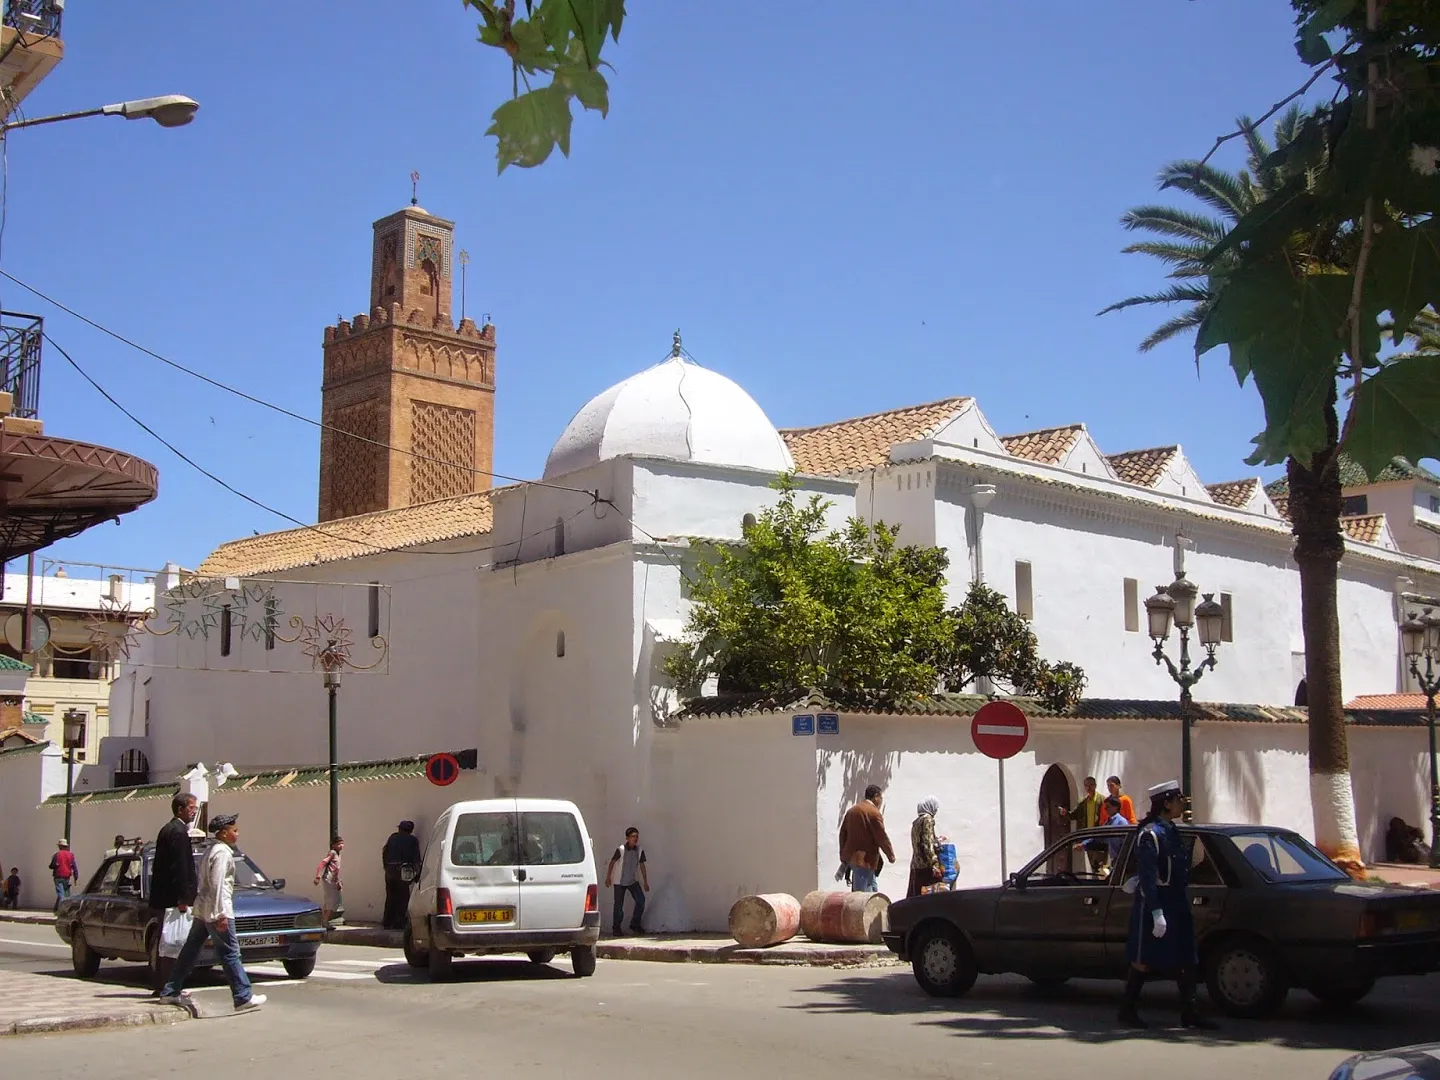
x=1420, y=640
x=72, y=739
x=1175, y=603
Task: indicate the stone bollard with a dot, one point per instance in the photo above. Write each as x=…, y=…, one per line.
x=848, y=918
x=767, y=919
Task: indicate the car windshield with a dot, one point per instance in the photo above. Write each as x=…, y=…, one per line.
x=1284, y=858
x=247, y=874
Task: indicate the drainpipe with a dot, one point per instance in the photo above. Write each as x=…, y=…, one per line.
x=981, y=496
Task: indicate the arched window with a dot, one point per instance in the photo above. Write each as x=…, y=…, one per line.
x=747, y=522
x=559, y=642
x=133, y=769
x=559, y=536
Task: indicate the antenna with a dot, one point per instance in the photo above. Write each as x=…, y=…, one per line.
x=414, y=187
x=464, y=262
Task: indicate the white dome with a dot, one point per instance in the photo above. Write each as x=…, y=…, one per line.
x=676, y=409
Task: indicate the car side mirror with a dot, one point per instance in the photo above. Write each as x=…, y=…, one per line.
x=277, y=883
x=1017, y=882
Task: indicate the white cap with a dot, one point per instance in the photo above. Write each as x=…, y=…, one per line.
x=1164, y=789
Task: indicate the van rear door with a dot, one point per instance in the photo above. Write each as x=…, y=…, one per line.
x=482, y=872
x=558, y=867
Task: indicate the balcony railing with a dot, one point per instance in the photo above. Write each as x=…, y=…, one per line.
x=34, y=16
x=20, y=336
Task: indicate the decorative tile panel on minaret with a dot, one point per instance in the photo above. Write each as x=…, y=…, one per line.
x=405, y=377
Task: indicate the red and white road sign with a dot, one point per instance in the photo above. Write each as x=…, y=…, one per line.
x=1000, y=730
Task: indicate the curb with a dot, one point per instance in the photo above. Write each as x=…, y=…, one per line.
x=848, y=956
x=94, y=1022
x=37, y=918
x=364, y=935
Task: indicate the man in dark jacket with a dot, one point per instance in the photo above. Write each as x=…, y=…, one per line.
x=401, y=859
x=172, y=871
x=863, y=839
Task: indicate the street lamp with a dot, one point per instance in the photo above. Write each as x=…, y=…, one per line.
x=1175, y=603
x=332, y=687
x=1420, y=639
x=169, y=110
x=72, y=739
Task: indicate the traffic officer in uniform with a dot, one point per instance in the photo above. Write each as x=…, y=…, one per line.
x=1162, y=931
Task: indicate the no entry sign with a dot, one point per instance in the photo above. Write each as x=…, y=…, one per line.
x=1000, y=730
x=442, y=770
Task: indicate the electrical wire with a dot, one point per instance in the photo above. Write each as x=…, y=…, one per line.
x=279, y=408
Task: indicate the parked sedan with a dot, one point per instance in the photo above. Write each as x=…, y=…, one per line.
x=1270, y=911
x=112, y=919
x=1402, y=1063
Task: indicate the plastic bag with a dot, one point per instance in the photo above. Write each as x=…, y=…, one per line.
x=174, y=931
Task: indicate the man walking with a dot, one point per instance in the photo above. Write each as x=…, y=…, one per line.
x=400, y=858
x=64, y=870
x=173, y=880
x=863, y=838
x=215, y=920
x=633, y=878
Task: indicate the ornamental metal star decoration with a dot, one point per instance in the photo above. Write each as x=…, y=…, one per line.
x=255, y=611
x=327, y=641
x=115, y=628
x=193, y=610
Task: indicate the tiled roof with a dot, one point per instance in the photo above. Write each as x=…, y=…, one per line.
x=1387, y=701
x=1234, y=493
x=864, y=442
x=1352, y=475
x=969, y=704
x=21, y=733
x=352, y=537
x=1047, y=446
x=1142, y=467
x=9, y=663
x=300, y=776
x=26, y=748
x=1365, y=528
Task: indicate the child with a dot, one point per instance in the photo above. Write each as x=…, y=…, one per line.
x=12, y=889
x=327, y=874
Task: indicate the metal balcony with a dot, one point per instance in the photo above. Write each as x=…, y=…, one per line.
x=20, y=337
x=40, y=17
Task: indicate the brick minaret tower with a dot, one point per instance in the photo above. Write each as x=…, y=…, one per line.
x=407, y=377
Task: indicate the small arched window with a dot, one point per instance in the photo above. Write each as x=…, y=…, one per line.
x=747, y=522
x=559, y=642
x=559, y=536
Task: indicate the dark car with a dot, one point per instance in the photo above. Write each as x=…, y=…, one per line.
x=1270, y=911
x=112, y=918
x=1402, y=1063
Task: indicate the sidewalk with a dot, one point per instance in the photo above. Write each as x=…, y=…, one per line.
x=32, y=1004
x=28, y=915
x=1421, y=877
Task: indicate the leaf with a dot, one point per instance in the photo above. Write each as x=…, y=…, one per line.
x=530, y=126
x=588, y=87
x=531, y=51
x=1404, y=274
x=1396, y=413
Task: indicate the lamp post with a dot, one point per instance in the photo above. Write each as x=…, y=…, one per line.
x=1420, y=640
x=1175, y=604
x=170, y=110
x=72, y=739
x=332, y=687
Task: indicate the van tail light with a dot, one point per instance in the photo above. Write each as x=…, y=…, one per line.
x=592, y=899
x=443, y=903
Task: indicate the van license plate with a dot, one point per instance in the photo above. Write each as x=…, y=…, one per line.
x=1411, y=921
x=265, y=941
x=470, y=916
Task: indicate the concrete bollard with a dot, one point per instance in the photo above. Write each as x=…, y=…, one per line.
x=767, y=919
x=848, y=918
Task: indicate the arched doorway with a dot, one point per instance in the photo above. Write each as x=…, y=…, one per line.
x=1055, y=800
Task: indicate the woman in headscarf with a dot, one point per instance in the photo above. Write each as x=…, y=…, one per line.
x=925, y=858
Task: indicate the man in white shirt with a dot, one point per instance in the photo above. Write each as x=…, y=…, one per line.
x=214, y=914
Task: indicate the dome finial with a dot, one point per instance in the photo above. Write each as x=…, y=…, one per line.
x=676, y=349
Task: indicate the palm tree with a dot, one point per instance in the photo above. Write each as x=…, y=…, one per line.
x=1423, y=336
x=1184, y=237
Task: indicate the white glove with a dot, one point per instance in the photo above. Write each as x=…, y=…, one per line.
x=1159, y=930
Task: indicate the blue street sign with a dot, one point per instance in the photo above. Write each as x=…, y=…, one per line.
x=829, y=723
x=802, y=725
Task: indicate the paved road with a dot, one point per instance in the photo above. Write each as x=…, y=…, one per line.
x=365, y=1015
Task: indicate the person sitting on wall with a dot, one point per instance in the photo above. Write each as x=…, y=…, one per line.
x=1404, y=843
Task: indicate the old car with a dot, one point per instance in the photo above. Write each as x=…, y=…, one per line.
x=111, y=918
x=1271, y=912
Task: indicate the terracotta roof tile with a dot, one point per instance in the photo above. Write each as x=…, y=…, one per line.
x=864, y=442
x=1047, y=446
x=1142, y=467
x=1234, y=493
x=1387, y=701
x=352, y=537
x=1365, y=528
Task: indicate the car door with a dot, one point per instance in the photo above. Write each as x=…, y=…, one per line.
x=1050, y=918
x=1208, y=892
x=95, y=912
x=483, y=870
x=556, y=869
x=127, y=912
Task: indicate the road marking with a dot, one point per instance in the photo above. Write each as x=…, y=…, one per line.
x=372, y=964
x=37, y=944
x=999, y=729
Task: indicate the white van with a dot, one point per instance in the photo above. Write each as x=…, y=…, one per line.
x=505, y=876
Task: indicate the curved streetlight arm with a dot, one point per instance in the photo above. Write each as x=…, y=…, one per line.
x=170, y=110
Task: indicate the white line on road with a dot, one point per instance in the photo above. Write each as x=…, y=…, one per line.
x=37, y=944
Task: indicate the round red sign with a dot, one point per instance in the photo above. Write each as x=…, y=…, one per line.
x=442, y=770
x=1000, y=730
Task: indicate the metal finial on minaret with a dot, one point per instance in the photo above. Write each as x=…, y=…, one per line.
x=414, y=187
x=464, y=262
x=675, y=347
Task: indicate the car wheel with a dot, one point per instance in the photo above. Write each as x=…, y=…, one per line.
x=414, y=955
x=582, y=959
x=942, y=961
x=541, y=956
x=440, y=964
x=300, y=967
x=84, y=959
x=159, y=966
x=1245, y=978
x=1342, y=993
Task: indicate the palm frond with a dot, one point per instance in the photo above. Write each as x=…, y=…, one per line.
x=1170, y=221
x=1216, y=188
x=1256, y=148
x=1289, y=125
x=1186, y=256
x=1173, y=328
x=1175, y=294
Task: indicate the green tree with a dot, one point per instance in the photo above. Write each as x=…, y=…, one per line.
x=555, y=40
x=992, y=644
x=1183, y=239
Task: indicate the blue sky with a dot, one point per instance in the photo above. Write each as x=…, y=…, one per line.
x=847, y=212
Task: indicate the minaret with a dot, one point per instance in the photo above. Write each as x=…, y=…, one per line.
x=406, y=377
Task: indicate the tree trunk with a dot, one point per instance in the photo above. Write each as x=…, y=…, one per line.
x=1315, y=505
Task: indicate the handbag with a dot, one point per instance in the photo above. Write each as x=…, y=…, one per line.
x=174, y=931
x=407, y=873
